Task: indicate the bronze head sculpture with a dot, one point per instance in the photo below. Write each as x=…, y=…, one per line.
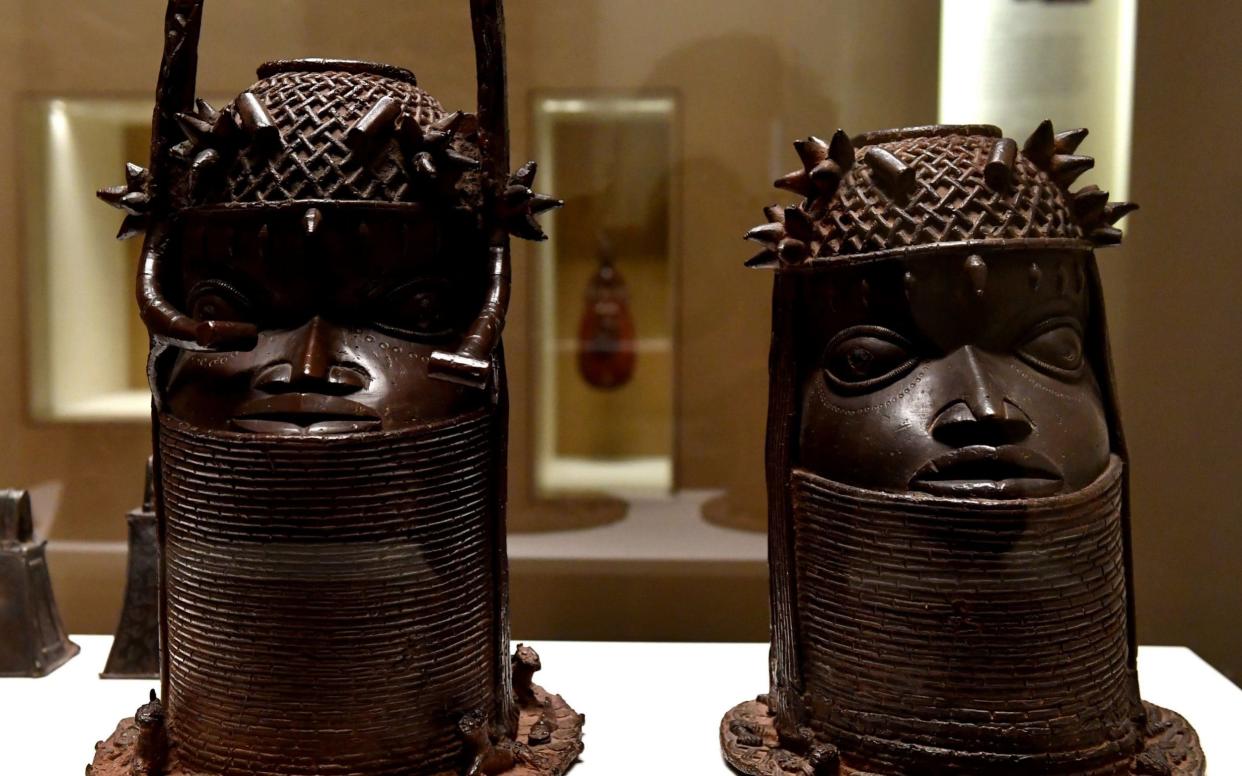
x=325, y=277
x=949, y=522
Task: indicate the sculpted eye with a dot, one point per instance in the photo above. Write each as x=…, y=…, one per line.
x=865, y=358
x=215, y=300
x=422, y=308
x=1055, y=347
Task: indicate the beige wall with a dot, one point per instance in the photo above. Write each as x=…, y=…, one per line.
x=1178, y=359
x=749, y=83
x=751, y=76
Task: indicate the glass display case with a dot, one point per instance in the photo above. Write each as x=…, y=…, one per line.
x=637, y=343
x=605, y=287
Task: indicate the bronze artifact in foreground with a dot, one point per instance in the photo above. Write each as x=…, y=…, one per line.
x=135, y=652
x=325, y=277
x=952, y=588
x=33, y=643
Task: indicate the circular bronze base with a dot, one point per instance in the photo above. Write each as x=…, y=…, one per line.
x=751, y=746
x=559, y=743
x=567, y=514
x=723, y=511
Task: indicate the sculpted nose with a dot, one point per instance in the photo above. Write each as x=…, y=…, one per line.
x=979, y=390
x=313, y=353
x=311, y=365
x=980, y=413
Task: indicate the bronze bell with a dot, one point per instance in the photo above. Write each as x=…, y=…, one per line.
x=136, y=648
x=32, y=638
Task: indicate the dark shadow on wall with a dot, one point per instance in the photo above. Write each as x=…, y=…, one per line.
x=742, y=98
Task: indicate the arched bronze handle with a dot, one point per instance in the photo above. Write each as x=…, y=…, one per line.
x=174, y=94
x=471, y=364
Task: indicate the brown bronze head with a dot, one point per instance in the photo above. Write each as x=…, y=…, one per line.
x=325, y=277
x=326, y=254
x=946, y=303
x=949, y=524
x=349, y=241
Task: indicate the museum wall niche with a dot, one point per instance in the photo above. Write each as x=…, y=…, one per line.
x=700, y=99
x=325, y=276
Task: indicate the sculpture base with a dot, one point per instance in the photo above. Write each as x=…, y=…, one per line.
x=751, y=746
x=725, y=511
x=52, y=658
x=568, y=514
x=552, y=757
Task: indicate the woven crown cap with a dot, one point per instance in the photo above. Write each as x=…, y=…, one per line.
x=316, y=150
x=316, y=130
x=910, y=190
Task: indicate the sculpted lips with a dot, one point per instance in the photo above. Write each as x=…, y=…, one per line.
x=305, y=413
x=981, y=471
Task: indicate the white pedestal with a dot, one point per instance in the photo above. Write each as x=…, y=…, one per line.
x=48, y=727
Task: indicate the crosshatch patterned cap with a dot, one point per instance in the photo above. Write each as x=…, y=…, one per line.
x=328, y=130
x=355, y=139
x=315, y=130
x=921, y=189
x=314, y=112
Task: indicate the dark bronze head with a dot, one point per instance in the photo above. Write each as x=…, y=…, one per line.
x=946, y=471
x=348, y=241
x=326, y=254
x=945, y=310
x=325, y=277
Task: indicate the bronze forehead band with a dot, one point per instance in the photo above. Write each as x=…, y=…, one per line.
x=249, y=210
x=984, y=248
x=312, y=217
x=314, y=220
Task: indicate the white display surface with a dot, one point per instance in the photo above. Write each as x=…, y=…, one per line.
x=48, y=726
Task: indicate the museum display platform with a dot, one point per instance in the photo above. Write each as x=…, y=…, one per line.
x=47, y=725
